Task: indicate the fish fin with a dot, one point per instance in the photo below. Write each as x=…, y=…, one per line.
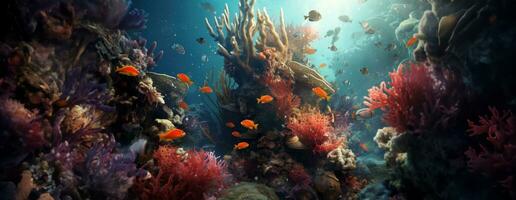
x=328, y=98
x=257, y=100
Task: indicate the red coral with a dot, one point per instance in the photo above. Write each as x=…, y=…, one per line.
x=281, y=89
x=417, y=98
x=314, y=130
x=497, y=160
x=193, y=175
x=299, y=176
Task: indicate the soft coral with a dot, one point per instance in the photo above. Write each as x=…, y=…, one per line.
x=498, y=158
x=184, y=175
x=314, y=130
x=417, y=98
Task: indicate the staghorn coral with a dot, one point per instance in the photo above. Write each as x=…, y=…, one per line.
x=314, y=130
x=419, y=98
x=497, y=157
x=184, y=175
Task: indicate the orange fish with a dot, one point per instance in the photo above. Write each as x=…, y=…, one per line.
x=185, y=79
x=363, y=147
x=172, y=134
x=183, y=105
x=128, y=70
x=249, y=124
x=205, y=89
x=262, y=56
x=310, y=51
x=236, y=134
x=264, y=99
x=241, y=145
x=230, y=125
x=322, y=65
x=321, y=93
x=411, y=41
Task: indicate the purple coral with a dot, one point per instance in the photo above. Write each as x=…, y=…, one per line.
x=107, y=174
x=25, y=123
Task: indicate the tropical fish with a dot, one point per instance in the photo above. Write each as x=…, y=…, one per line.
x=390, y=47
x=206, y=89
x=364, y=70
x=230, y=125
x=339, y=71
x=128, y=70
x=367, y=28
x=310, y=51
x=183, y=105
x=207, y=6
x=262, y=56
x=364, y=147
x=333, y=48
x=264, y=99
x=249, y=124
x=364, y=113
x=321, y=93
x=345, y=19
x=313, y=16
x=180, y=49
x=236, y=134
x=322, y=65
x=172, y=134
x=200, y=40
x=241, y=145
x=204, y=58
x=411, y=41
x=185, y=79
x=329, y=33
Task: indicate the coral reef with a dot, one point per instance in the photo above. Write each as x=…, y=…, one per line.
x=496, y=160
x=385, y=138
x=246, y=190
x=184, y=174
x=418, y=98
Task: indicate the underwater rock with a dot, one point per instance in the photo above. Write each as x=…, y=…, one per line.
x=446, y=27
x=327, y=185
x=385, y=138
x=294, y=143
x=376, y=191
x=406, y=27
x=343, y=157
x=309, y=77
x=170, y=86
x=246, y=190
x=25, y=185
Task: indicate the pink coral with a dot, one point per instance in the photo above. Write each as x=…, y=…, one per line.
x=25, y=123
x=189, y=175
x=314, y=130
x=417, y=98
x=498, y=159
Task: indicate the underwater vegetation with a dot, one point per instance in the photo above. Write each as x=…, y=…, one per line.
x=84, y=113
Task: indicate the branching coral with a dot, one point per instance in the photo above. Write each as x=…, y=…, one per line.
x=186, y=175
x=418, y=98
x=497, y=158
x=314, y=130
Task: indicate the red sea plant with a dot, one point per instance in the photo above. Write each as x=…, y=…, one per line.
x=497, y=157
x=284, y=99
x=184, y=175
x=314, y=130
x=417, y=98
x=299, y=176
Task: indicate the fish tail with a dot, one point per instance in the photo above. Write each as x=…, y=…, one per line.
x=258, y=100
x=306, y=17
x=255, y=126
x=236, y=147
x=328, y=98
